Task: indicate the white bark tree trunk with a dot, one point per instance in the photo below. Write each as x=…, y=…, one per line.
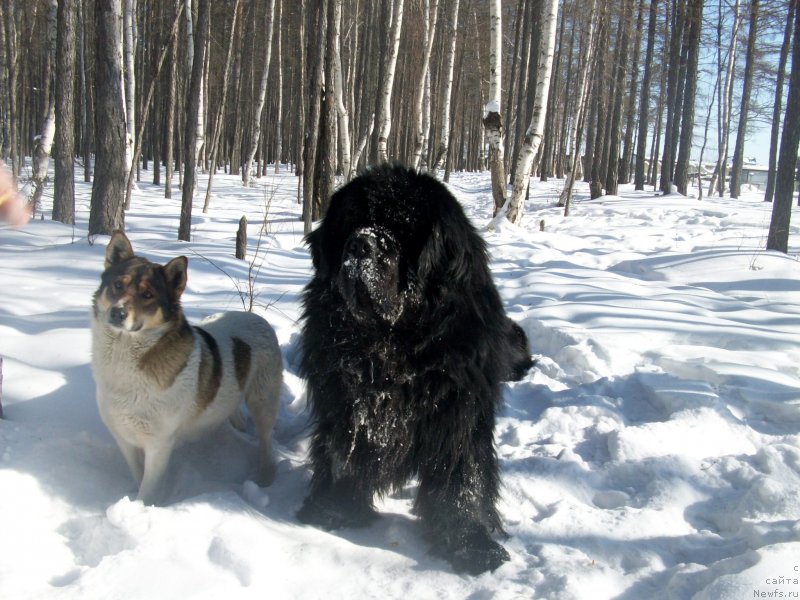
x=129, y=43
x=421, y=107
x=279, y=112
x=262, y=95
x=444, y=138
x=390, y=64
x=492, y=116
x=533, y=136
x=43, y=143
x=341, y=110
x=587, y=43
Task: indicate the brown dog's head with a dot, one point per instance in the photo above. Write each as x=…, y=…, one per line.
x=136, y=294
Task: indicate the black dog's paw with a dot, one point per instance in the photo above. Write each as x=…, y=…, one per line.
x=473, y=552
x=330, y=515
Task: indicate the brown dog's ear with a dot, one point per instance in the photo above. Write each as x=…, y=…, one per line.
x=119, y=248
x=175, y=273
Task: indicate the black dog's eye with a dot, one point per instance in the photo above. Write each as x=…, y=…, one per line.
x=118, y=285
x=147, y=294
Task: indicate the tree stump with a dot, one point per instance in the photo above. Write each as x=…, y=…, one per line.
x=241, y=239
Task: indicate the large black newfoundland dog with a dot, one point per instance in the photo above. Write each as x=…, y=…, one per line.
x=405, y=345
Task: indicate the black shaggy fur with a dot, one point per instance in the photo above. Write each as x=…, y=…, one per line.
x=405, y=345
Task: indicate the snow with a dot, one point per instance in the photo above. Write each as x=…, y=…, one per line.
x=654, y=452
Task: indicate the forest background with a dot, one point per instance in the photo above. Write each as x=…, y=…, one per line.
x=654, y=92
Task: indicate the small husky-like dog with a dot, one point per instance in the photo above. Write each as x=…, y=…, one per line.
x=160, y=380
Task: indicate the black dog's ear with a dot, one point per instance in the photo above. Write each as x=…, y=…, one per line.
x=119, y=249
x=314, y=240
x=176, y=276
x=445, y=256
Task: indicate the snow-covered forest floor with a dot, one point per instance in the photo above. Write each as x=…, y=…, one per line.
x=654, y=452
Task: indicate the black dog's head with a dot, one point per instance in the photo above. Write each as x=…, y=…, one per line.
x=391, y=237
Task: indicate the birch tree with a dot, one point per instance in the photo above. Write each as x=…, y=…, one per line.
x=384, y=111
x=129, y=48
x=587, y=46
x=343, y=116
x=444, y=132
x=190, y=133
x=725, y=92
x=492, y=116
x=43, y=142
x=262, y=94
x=741, y=130
x=221, y=107
x=422, y=96
x=533, y=136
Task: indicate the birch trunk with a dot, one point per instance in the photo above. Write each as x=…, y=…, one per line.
x=587, y=43
x=385, y=92
x=262, y=94
x=741, y=130
x=279, y=110
x=422, y=116
x=146, y=107
x=129, y=42
x=43, y=143
x=221, y=108
x=533, y=136
x=444, y=135
x=193, y=109
x=492, y=116
x=338, y=89
x=725, y=103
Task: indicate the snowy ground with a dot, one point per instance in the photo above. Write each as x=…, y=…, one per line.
x=654, y=452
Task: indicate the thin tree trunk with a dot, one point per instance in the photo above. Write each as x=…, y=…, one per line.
x=169, y=145
x=338, y=90
x=620, y=68
x=423, y=122
x=385, y=94
x=64, y=153
x=588, y=47
x=776, y=111
x=741, y=131
x=787, y=162
x=255, y=127
x=129, y=44
x=695, y=23
x=672, y=96
x=533, y=137
x=644, y=101
x=444, y=134
x=192, y=116
x=43, y=142
x=725, y=104
x=279, y=109
x=221, y=108
x=492, y=116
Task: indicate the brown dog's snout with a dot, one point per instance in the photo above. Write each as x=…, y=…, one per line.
x=117, y=315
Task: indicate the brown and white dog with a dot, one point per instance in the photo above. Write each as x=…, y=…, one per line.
x=160, y=380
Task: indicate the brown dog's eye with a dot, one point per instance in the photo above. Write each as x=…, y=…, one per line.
x=118, y=285
x=147, y=294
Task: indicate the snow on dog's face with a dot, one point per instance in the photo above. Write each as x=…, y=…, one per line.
x=369, y=277
x=136, y=294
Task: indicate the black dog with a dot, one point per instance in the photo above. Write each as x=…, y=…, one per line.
x=405, y=345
